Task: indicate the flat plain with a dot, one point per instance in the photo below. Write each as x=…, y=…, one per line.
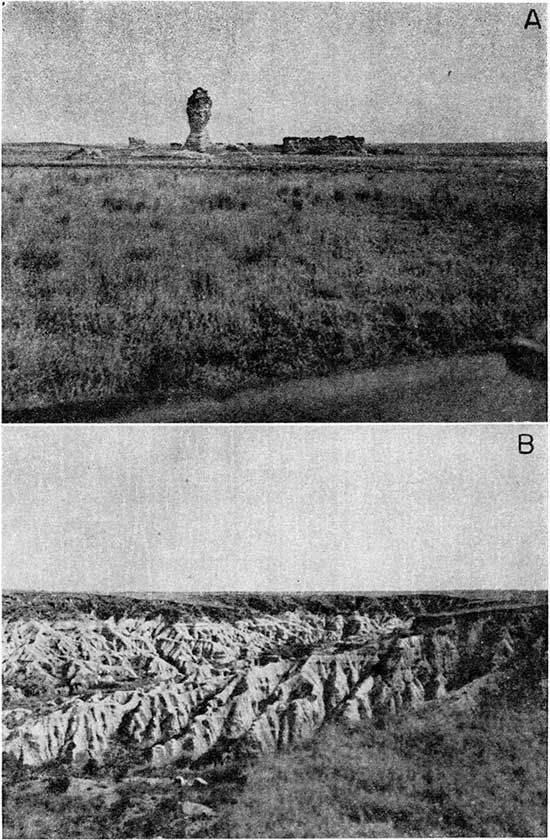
x=137, y=281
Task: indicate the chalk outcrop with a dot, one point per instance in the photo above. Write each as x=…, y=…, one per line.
x=85, y=154
x=330, y=145
x=181, y=689
x=199, y=107
x=237, y=148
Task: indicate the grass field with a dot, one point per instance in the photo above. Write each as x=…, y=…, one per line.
x=450, y=777
x=126, y=283
x=424, y=775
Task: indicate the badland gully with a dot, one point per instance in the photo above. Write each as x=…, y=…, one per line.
x=398, y=702
x=326, y=225
x=262, y=715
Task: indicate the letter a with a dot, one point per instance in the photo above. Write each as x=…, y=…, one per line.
x=532, y=20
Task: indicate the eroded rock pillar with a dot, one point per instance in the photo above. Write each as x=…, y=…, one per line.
x=199, y=106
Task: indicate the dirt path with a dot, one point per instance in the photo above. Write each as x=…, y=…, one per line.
x=457, y=389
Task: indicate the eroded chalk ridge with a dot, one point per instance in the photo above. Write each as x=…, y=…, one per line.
x=178, y=690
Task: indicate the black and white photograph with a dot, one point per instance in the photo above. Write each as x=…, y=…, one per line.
x=274, y=631
x=274, y=212
x=274, y=458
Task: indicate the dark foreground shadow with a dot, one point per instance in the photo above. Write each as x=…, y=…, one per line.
x=81, y=412
x=460, y=389
x=466, y=389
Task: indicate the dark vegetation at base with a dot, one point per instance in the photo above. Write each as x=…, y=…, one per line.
x=424, y=775
x=246, y=278
x=235, y=605
x=427, y=773
x=82, y=411
x=458, y=389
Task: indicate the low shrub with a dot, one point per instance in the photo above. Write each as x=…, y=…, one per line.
x=59, y=783
x=222, y=200
x=36, y=258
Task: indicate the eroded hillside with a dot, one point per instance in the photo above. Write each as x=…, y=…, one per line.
x=178, y=686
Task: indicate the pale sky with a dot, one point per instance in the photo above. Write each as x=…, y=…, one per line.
x=98, y=72
x=263, y=507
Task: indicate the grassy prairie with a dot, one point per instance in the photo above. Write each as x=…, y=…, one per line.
x=427, y=774
x=425, y=777
x=131, y=282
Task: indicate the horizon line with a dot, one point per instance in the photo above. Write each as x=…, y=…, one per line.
x=391, y=142
x=269, y=592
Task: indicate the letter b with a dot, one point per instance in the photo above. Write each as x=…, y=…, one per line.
x=525, y=444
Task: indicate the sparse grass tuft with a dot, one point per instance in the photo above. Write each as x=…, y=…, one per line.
x=139, y=254
x=222, y=200
x=35, y=259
